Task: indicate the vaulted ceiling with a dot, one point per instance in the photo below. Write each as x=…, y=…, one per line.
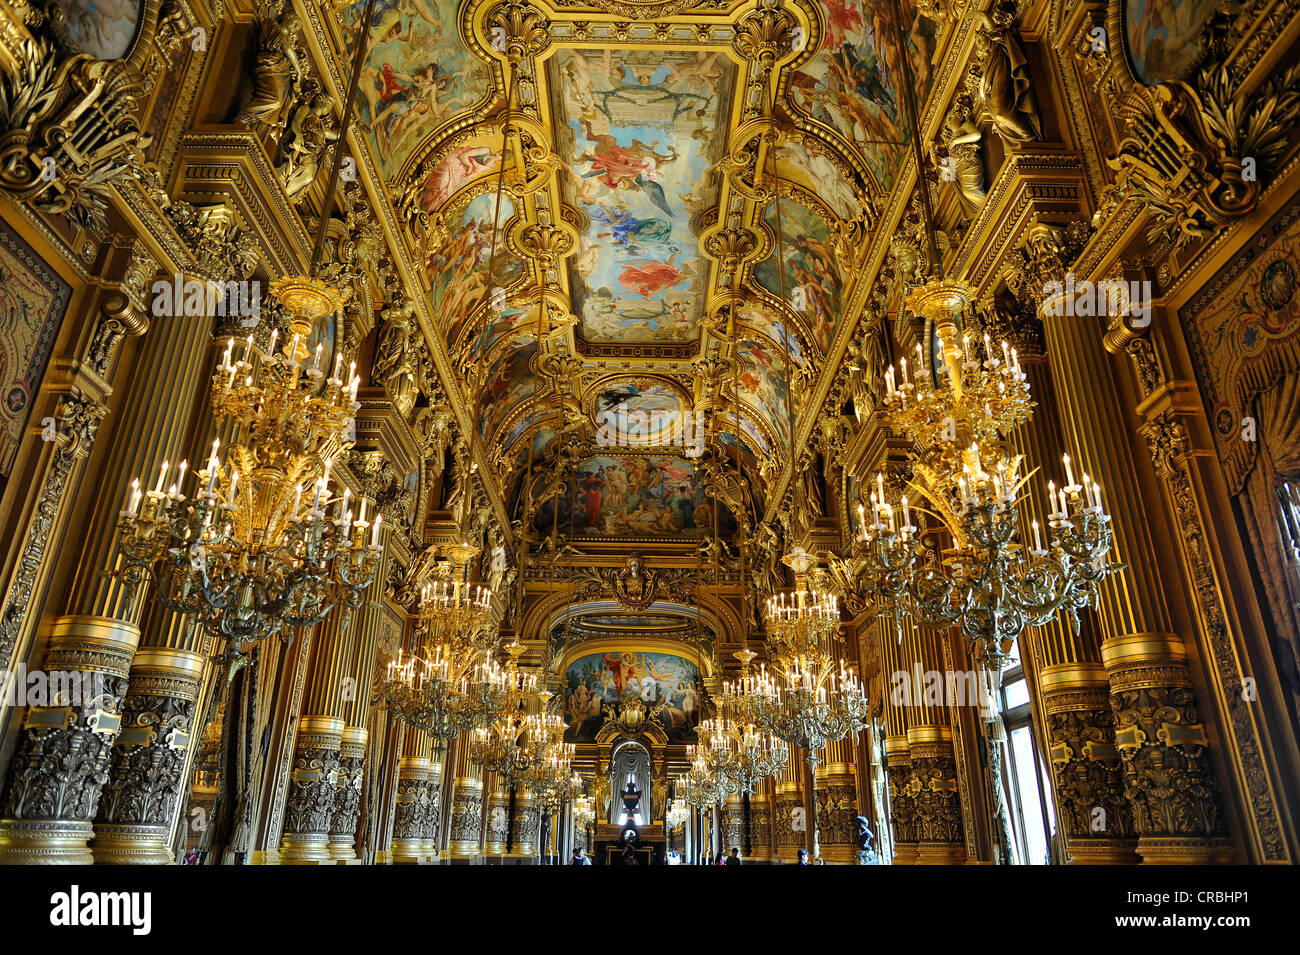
x=607, y=261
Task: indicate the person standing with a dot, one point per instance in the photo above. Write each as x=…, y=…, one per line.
x=803, y=857
x=734, y=858
x=580, y=857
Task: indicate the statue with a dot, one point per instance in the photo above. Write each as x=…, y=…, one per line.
x=866, y=854
x=392, y=369
x=1005, y=88
x=309, y=132
x=276, y=72
x=964, y=139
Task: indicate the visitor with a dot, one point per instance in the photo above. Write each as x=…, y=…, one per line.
x=192, y=858
x=580, y=857
x=803, y=857
x=735, y=857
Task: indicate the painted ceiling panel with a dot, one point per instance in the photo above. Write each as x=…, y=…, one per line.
x=639, y=133
x=852, y=84
x=417, y=75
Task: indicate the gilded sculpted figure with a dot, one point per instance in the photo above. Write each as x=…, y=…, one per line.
x=965, y=141
x=276, y=72
x=1005, y=89
x=393, y=368
x=309, y=132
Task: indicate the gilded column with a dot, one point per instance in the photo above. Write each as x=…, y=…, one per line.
x=760, y=822
x=62, y=759
x=789, y=812
x=935, y=795
x=898, y=758
x=837, y=804
x=525, y=825
x=314, y=780
x=410, y=825
x=356, y=714
x=1094, y=817
x=733, y=821
x=1170, y=782
x=498, y=818
x=465, y=826
x=433, y=812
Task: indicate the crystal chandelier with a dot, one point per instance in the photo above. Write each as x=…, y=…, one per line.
x=508, y=739
x=677, y=814
x=807, y=701
x=740, y=755
x=994, y=581
x=699, y=787
x=452, y=683
x=263, y=542
x=584, y=810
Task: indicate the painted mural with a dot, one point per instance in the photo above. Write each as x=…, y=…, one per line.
x=594, y=685
x=799, y=163
x=641, y=495
x=103, y=28
x=32, y=301
x=417, y=74
x=852, y=83
x=813, y=283
x=1164, y=36
x=641, y=410
x=510, y=380
x=458, y=274
x=639, y=167
x=462, y=165
x=763, y=321
x=764, y=385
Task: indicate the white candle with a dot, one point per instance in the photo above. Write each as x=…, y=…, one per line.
x=902, y=364
x=297, y=499
x=374, y=536
x=1038, y=540
x=162, y=475
x=234, y=484
x=1096, y=494
x=361, y=518
x=316, y=365
x=1069, y=471
x=132, y=497
x=275, y=333
x=907, y=513
x=347, y=523
x=180, y=475
x=347, y=497
x=1051, y=498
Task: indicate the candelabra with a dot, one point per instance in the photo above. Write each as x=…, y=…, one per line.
x=699, y=786
x=509, y=741
x=451, y=684
x=807, y=702
x=677, y=814
x=992, y=583
x=256, y=547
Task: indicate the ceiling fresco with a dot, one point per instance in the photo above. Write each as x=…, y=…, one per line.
x=637, y=131
x=612, y=258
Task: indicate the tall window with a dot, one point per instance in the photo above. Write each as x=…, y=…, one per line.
x=1025, y=781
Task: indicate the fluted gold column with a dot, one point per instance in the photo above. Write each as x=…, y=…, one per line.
x=789, y=805
x=760, y=822
x=1170, y=782
x=433, y=813
x=498, y=817
x=898, y=759
x=837, y=804
x=1094, y=816
x=366, y=622
x=410, y=825
x=309, y=811
x=48, y=809
x=936, y=796
x=525, y=825
x=733, y=824
x=466, y=805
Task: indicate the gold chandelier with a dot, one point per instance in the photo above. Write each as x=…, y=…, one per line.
x=807, y=701
x=263, y=542
x=452, y=683
x=1001, y=575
